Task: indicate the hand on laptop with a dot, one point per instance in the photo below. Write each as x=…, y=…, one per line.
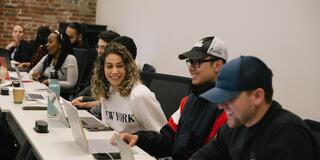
x=78, y=102
x=46, y=82
x=36, y=76
x=131, y=139
x=24, y=65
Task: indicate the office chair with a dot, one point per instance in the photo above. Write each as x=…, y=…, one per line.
x=168, y=89
x=148, y=68
x=81, y=56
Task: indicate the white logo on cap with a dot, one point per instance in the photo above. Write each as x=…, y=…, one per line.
x=217, y=51
x=198, y=44
x=217, y=48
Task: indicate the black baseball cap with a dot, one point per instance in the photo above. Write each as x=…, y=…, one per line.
x=207, y=46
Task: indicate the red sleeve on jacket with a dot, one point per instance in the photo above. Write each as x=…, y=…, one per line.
x=221, y=120
x=174, y=119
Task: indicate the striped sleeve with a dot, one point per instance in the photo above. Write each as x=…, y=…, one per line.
x=175, y=117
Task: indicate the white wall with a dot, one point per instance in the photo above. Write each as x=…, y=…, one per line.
x=283, y=33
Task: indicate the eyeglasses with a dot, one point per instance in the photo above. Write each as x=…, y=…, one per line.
x=195, y=63
x=100, y=46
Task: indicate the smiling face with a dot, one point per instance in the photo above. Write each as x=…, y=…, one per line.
x=17, y=33
x=244, y=109
x=114, y=70
x=53, y=46
x=205, y=72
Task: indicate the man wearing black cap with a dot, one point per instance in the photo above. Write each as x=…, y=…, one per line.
x=258, y=127
x=196, y=121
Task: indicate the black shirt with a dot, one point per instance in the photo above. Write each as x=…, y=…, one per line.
x=279, y=135
x=22, y=53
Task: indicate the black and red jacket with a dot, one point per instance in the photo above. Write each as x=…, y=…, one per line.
x=193, y=125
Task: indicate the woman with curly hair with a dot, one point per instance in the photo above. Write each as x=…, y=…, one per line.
x=126, y=104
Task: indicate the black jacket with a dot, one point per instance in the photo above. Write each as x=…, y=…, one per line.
x=187, y=130
x=280, y=135
x=23, y=53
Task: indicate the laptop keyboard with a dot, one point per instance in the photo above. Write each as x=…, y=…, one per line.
x=34, y=96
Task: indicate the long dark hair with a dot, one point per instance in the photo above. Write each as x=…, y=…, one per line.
x=65, y=49
x=42, y=37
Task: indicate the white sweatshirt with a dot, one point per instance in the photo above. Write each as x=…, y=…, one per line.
x=138, y=111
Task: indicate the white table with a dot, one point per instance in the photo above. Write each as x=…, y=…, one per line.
x=59, y=142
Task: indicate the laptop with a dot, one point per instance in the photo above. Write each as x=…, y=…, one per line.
x=4, y=53
x=30, y=96
x=33, y=99
x=89, y=123
x=96, y=145
x=5, y=80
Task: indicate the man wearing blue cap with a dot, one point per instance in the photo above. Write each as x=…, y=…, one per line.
x=258, y=127
x=196, y=121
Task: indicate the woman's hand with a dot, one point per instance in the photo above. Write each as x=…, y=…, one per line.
x=12, y=44
x=23, y=65
x=77, y=101
x=46, y=82
x=36, y=76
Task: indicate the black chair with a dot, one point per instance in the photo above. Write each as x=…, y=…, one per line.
x=148, y=68
x=81, y=56
x=169, y=89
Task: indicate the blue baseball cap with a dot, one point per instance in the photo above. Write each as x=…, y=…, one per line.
x=241, y=74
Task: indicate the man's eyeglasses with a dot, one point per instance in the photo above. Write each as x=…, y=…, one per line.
x=195, y=63
x=100, y=46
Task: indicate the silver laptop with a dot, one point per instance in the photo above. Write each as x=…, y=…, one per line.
x=60, y=112
x=33, y=100
x=30, y=96
x=97, y=145
x=89, y=123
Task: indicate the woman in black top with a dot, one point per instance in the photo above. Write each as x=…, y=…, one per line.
x=19, y=49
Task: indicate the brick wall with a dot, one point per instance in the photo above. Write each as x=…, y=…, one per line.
x=34, y=13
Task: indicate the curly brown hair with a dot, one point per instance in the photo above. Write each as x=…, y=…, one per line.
x=101, y=86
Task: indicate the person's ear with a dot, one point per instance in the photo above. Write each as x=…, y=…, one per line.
x=258, y=96
x=80, y=37
x=218, y=65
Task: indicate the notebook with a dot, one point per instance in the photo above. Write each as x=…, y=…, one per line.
x=96, y=145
